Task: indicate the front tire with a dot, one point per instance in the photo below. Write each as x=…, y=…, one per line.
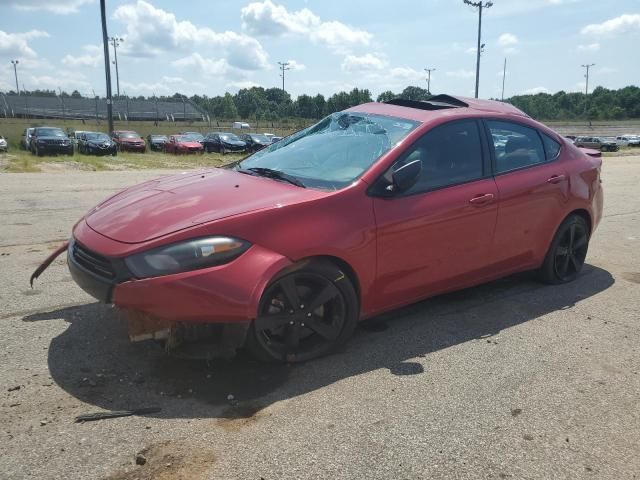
x=304, y=314
x=567, y=252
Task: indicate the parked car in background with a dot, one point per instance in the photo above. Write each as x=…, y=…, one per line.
x=182, y=144
x=157, y=142
x=48, y=140
x=372, y=208
x=128, y=140
x=240, y=125
x=597, y=143
x=3, y=144
x=628, y=141
x=255, y=141
x=25, y=139
x=96, y=143
x=74, y=135
x=194, y=136
x=223, y=142
x=275, y=139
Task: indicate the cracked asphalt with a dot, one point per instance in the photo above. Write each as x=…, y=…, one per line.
x=511, y=379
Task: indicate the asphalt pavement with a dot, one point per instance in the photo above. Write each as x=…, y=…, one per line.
x=512, y=379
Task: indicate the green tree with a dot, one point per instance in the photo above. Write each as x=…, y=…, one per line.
x=386, y=96
x=229, y=110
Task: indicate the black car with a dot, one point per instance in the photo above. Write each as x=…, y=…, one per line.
x=96, y=143
x=223, y=142
x=47, y=140
x=255, y=141
x=156, y=142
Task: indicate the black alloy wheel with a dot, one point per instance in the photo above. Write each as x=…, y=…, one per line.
x=568, y=251
x=304, y=314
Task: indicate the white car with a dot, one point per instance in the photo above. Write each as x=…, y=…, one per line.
x=3, y=144
x=628, y=141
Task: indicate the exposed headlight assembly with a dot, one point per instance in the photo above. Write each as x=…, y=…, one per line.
x=185, y=256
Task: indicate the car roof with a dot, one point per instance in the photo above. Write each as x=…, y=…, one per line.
x=439, y=105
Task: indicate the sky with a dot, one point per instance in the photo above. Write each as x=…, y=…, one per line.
x=211, y=47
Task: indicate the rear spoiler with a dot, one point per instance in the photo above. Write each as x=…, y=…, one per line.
x=591, y=152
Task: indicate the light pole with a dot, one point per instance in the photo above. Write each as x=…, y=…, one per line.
x=284, y=66
x=429, y=70
x=15, y=72
x=115, y=41
x=107, y=67
x=479, y=5
x=586, y=76
x=504, y=75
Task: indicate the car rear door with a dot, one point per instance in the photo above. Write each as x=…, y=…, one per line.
x=533, y=189
x=437, y=236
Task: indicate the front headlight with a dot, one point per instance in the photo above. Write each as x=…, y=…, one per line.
x=184, y=256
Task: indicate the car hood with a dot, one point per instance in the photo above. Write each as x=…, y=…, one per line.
x=190, y=144
x=159, y=207
x=236, y=143
x=131, y=140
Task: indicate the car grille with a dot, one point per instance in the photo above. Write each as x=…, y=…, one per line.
x=54, y=142
x=93, y=262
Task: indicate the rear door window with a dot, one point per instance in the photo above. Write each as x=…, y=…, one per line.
x=551, y=147
x=518, y=147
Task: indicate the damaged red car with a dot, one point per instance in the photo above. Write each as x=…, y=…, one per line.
x=178, y=144
x=370, y=209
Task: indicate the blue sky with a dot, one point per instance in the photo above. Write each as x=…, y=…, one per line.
x=209, y=47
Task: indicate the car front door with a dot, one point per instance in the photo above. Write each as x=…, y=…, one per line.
x=437, y=235
x=533, y=190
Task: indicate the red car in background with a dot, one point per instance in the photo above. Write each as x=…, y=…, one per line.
x=182, y=144
x=372, y=208
x=128, y=140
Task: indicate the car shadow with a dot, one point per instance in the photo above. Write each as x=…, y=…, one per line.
x=94, y=361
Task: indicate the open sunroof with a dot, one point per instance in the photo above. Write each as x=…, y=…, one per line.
x=437, y=102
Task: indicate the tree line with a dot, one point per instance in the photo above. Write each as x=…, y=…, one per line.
x=272, y=104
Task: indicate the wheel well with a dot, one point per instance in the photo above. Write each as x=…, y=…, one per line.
x=340, y=263
x=585, y=215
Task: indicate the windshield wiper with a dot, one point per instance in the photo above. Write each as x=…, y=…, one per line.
x=271, y=173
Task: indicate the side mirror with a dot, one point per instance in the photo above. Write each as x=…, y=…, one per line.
x=405, y=177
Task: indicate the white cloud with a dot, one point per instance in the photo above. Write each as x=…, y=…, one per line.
x=209, y=67
x=268, y=19
x=461, y=73
x=164, y=85
x=296, y=66
x=620, y=24
x=592, y=47
x=535, y=91
x=152, y=31
x=471, y=50
x=16, y=44
x=507, y=40
x=369, y=61
x=92, y=58
x=59, y=7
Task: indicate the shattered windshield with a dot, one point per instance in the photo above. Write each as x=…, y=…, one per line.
x=334, y=152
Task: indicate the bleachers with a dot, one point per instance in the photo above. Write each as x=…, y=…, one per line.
x=28, y=106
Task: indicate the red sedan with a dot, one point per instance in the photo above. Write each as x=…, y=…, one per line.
x=182, y=144
x=127, y=140
x=372, y=208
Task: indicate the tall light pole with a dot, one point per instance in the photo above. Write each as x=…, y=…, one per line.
x=586, y=76
x=115, y=41
x=15, y=72
x=107, y=67
x=284, y=66
x=504, y=75
x=479, y=5
x=429, y=70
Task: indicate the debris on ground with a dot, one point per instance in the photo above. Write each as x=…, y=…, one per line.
x=90, y=417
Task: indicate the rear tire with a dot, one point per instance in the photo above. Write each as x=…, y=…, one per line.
x=568, y=250
x=304, y=314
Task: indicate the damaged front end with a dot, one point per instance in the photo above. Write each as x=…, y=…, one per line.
x=99, y=276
